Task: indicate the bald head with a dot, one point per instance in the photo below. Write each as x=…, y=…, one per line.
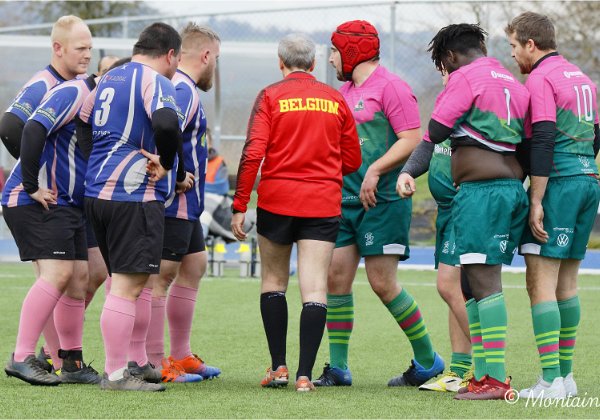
x=65, y=26
x=71, y=46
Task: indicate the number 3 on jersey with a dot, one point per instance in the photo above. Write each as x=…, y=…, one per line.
x=105, y=98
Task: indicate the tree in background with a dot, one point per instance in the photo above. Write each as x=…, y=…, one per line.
x=32, y=12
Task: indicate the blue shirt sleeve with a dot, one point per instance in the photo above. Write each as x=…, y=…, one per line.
x=57, y=108
x=28, y=100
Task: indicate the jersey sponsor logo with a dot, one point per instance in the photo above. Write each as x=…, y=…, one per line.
x=562, y=240
x=168, y=99
x=308, y=104
x=503, y=246
x=49, y=113
x=24, y=107
x=362, y=140
x=497, y=75
x=584, y=161
x=111, y=78
x=369, y=239
x=569, y=74
x=442, y=150
x=360, y=105
x=446, y=248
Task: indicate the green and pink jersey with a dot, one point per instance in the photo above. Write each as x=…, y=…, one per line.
x=561, y=93
x=382, y=106
x=486, y=103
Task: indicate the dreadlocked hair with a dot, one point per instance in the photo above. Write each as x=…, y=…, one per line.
x=459, y=38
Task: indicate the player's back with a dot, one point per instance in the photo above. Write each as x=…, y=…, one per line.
x=498, y=107
x=571, y=102
x=125, y=100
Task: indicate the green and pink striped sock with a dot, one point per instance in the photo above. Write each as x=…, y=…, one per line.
x=406, y=312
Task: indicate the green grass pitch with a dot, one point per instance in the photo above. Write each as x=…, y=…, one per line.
x=228, y=333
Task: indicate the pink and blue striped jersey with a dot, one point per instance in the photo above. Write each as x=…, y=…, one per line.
x=561, y=93
x=485, y=102
x=32, y=93
x=62, y=166
x=121, y=119
x=190, y=205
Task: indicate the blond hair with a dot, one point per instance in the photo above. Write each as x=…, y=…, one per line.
x=63, y=26
x=195, y=36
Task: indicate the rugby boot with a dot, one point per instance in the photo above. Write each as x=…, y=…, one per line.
x=74, y=371
x=129, y=383
x=194, y=364
x=276, y=378
x=45, y=360
x=542, y=389
x=491, y=389
x=31, y=370
x=417, y=375
x=333, y=376
x=570, y=385
x=303, y=384
x=450, y=382
x=174, y=372
x=146, y=373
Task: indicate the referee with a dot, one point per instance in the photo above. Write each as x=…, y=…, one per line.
x=304, y=131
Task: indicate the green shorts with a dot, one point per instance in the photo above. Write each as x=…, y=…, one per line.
x=570, y=207
x=383, y=230
x=445, y=246
x=489, y=218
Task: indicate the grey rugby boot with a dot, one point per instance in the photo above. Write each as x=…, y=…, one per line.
x=129, y=383
x=31, y=371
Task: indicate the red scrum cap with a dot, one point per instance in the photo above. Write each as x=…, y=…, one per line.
x=357, y=41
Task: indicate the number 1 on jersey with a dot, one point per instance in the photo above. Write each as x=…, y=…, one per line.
x=507, y=94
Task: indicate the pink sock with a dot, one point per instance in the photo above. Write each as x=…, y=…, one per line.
x=107, y=284
x=137, y=345
x=116, y=323
x=155, y=340
x=68, y=318
x=52, y=341
x=35, y=311
x=180, y=313
x=88, y=299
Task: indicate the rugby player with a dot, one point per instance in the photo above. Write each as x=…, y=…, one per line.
x=184, y=256
x=387, y=119
x=436, y=159
x=134, y=115
x=483, y=108
x=563, y=193
x=69, y=59
x=305, y=132
x=43, y=202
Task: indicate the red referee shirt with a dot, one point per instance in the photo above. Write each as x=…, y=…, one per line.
x=307, y=136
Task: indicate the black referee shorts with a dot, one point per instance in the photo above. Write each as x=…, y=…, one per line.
x=285, y=230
